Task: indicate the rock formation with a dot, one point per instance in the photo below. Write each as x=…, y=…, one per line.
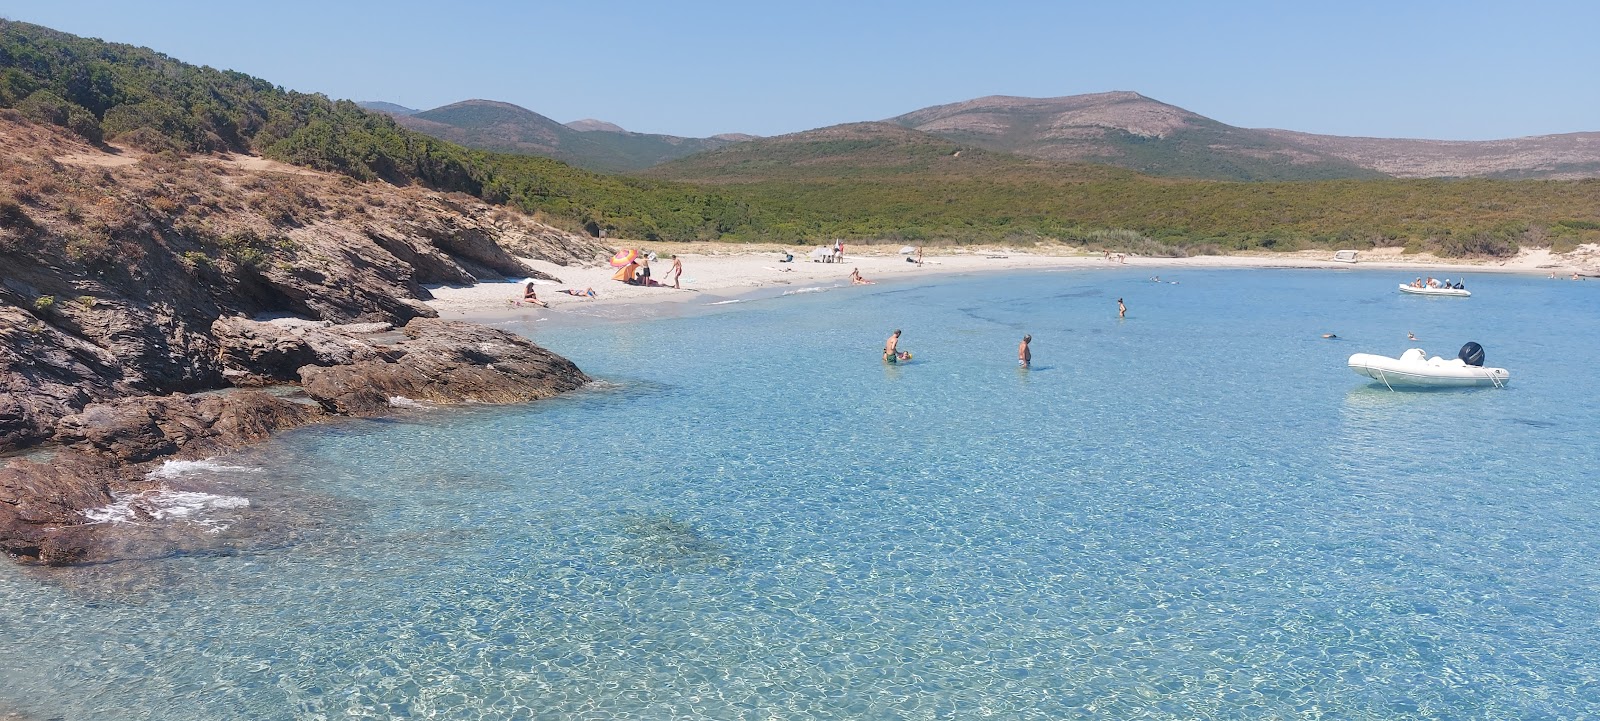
x=130, y=284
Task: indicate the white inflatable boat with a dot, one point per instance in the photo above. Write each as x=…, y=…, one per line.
x=1454, y=292
x=1414, y=369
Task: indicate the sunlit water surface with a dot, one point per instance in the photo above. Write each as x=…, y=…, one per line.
x=1195, y=512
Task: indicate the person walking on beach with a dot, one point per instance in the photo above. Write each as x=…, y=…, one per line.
x=1024, y=354
x=838, y=250
x=677, y=269
x=1122, y=310
x=891, y=348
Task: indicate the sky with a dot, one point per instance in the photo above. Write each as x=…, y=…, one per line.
x=1463, y=70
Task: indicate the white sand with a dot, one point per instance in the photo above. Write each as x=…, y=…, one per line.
x=724, y=271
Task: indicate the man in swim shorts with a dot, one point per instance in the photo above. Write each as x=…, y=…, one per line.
x=1024, y=354
x=891, y=348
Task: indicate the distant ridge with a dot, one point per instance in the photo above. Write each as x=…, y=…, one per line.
x=1132, y=131
x=1128, y=130
x=383, y=107
x=875, y=150
x=590, y=124
x=592, y=144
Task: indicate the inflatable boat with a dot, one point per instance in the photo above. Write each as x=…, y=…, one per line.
x=1454, y=292
x=1414, y=369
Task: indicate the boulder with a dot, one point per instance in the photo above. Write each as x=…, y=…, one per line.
x=444, y=362
x=143, y=428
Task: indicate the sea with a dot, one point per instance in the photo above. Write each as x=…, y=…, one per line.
x=1193, y=512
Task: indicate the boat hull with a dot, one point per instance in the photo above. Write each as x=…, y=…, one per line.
x=1397, y=373
x=1446, y=292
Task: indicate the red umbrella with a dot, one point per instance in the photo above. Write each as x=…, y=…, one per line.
x=624, y=257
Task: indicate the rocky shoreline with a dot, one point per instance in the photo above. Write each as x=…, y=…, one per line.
x=354, y=370
x=148, y=303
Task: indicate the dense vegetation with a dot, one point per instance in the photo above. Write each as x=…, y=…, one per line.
x=861, y=182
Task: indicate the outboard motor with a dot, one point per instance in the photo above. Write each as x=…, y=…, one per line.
x=1471, y=354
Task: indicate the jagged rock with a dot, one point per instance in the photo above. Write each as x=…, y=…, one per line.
x=266, y=352
x=142, y=428
x=444, y=362
x=46, y=374
x=37, y=499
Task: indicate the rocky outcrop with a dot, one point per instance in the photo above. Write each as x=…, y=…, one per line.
x=40, y=499
x=143, y=428
x=353, y=369
x=126, y=318
x=447, y=362
x=129, y=271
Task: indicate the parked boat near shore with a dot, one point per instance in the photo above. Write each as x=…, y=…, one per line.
x=1414, y=369
x=1453, y=292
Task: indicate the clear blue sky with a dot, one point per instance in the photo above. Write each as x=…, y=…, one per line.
x=1468, y=70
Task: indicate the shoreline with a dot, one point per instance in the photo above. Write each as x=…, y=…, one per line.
x=728, y=273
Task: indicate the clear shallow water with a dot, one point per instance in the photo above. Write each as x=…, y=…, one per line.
x=1197, y=512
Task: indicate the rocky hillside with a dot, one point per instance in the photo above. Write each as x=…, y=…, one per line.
x=1132, y=131
x=126, y=277
x=123, y=260
x=592, y=144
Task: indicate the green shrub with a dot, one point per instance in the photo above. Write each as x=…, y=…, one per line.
x=195, y=260
x=44, y=303
x=48, y=107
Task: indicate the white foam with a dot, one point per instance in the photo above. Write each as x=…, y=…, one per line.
x=725, y=302
x=403, y=402
x=174, y=469
x=163, y=504
x=798, y=291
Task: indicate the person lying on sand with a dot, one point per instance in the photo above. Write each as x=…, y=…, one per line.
x=585, y=293
x=856, y=279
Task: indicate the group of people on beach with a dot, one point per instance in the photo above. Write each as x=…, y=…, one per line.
x=637, y=272
x=530, y=295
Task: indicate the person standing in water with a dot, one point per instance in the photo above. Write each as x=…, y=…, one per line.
x=1122, y=310
x=1024, y=354
x=677, y=269
x=891, y=348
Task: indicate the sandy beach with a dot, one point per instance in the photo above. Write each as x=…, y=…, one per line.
x=725, y=271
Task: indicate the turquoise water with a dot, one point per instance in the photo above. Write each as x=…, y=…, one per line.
x=1196, y=512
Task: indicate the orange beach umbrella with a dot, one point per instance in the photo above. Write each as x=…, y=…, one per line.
x=624, y=257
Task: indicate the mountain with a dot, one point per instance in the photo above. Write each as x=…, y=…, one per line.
x=592, y=144
x=1132, y=131
x=1128, y=130
x=383, y=107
